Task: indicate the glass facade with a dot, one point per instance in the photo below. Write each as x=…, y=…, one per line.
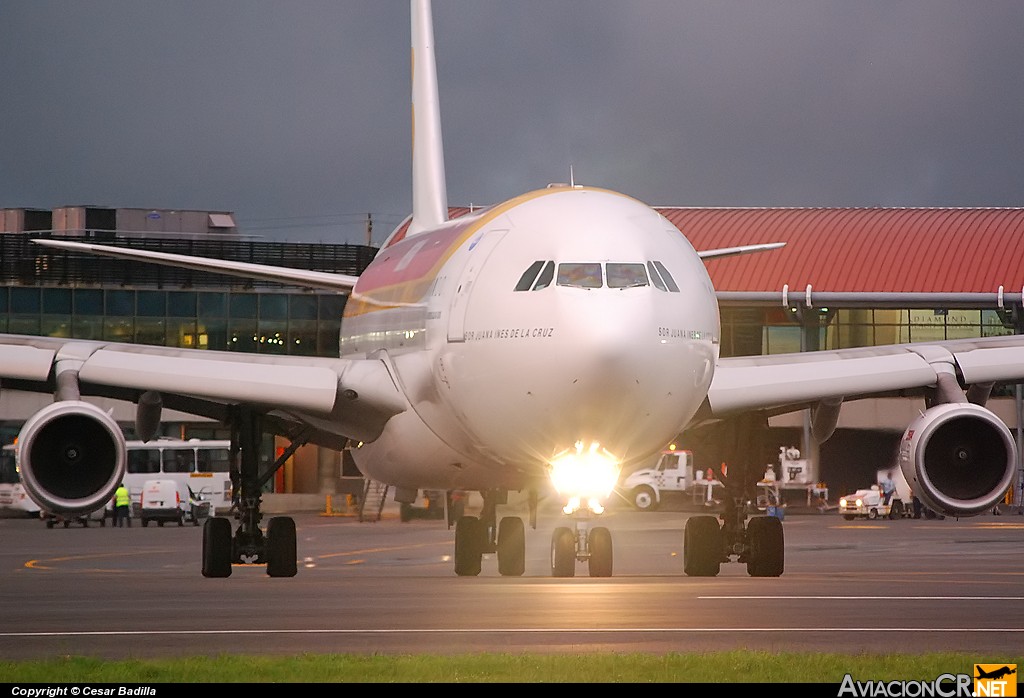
x=755, y=331
x=301, y=323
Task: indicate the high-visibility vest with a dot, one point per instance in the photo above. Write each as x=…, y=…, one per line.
x=121, y=497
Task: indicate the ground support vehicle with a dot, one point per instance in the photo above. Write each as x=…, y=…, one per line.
x=868, y=504
x=162, y=502
x=672, y=474
x=863, y=504
x=201, y=465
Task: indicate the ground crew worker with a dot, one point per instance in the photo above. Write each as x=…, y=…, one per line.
x=121, y=503
x=888, y=489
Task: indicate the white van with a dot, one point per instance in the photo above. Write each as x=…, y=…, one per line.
x=162, y=501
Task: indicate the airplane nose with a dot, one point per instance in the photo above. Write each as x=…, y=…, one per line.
x=600, y=372
x=619, y=382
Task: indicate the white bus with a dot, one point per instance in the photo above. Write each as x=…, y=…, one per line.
x=201, y=464
x=14, y=500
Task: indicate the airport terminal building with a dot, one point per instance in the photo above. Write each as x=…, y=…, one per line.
x=847, y=277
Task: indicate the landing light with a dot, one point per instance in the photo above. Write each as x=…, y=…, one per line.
x=586, y=473
x=575, y=504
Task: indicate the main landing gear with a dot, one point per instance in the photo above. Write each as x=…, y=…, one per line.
x=759, y=541
x=249, y=544
x=475, y=536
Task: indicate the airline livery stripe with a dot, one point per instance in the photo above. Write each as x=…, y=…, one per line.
x=396, y=281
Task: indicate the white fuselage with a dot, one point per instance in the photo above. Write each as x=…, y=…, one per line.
x=499, y=380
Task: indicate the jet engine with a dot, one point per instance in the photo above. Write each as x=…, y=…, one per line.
x=72, y=457
x=959, y=458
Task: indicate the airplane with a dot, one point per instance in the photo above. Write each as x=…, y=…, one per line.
x=995, y=673
x=536, y=346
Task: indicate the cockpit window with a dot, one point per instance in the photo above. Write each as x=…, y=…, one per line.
x=580, y=274
x=540, y=274
x=625, y=275
x=656, y=277
x=528, y=277
x=669, y=281
x=545, y=276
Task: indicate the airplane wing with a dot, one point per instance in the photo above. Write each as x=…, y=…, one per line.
x=265, y=272
x=741, y=249
x=786, y=382
x=355, y=397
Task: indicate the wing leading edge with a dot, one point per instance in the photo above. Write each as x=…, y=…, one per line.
x=786, y=382
x=349, y=397
x=264, y=272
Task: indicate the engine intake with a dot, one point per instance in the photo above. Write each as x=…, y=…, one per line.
x=958, y=458
x=72, y=457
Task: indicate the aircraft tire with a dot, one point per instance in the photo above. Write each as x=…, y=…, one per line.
x=767, y=554
x=563, y=552
x=216, y=547
x=600, y=545
x=468, y=546
x=281, y=555
x=702, y=547
x=511, y=547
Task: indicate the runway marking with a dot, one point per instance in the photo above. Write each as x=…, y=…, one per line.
x=990, y=525
x=486, y=631
x=863, y=598
x=37, y=564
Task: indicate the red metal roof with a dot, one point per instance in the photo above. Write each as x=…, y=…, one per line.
x=880, y=250
x=894, y=250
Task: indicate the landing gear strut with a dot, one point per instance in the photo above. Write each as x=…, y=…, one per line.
x=759, y=541
x=581, y=543
x=475, y=536
x=249, y=544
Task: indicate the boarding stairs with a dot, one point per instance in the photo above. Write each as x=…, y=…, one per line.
x=372, y=505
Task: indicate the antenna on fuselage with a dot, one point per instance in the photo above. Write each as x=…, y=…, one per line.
x=429, y=190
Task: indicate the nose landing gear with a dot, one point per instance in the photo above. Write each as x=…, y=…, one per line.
x=581, y=543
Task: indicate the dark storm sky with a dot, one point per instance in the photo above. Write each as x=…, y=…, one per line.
x=296, y=115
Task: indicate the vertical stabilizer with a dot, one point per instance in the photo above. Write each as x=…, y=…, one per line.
x=429, y=193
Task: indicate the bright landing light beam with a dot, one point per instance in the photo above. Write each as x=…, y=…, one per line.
x=586, y=473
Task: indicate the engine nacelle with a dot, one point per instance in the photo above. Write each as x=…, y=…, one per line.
x=72, y=457
x=958, y=458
